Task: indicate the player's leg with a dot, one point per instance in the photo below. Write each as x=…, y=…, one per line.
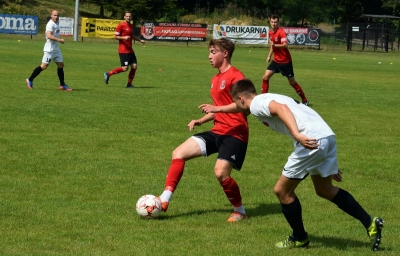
x=346, y=202
x=45, y=63
x=124, y=59
x=132, y=72
x=294, y=171
x=269, y=72
x=343, y=199
x=191, y=148
x=58, y=59
x=291, y=209
x=298, y=90
x=231, y=154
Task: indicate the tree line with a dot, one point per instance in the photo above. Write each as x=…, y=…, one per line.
x=294, y=11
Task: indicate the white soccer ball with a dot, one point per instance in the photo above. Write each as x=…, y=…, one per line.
x=148, y=207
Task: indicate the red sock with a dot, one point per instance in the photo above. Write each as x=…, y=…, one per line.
x=265, y=86
x=232, y=191
x=299, y=91
x=131, y=75
x=115, y=71
x=175, y=173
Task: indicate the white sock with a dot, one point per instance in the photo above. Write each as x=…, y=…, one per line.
x=166, y=196
x=239, y=209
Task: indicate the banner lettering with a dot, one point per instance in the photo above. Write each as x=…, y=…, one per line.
x=101, y=28
x=18, y=24
x=173, y=31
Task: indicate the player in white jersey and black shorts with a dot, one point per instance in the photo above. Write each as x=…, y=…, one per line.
x=314, y=154
x=51, y=52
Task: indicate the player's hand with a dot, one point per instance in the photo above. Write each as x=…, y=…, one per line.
x=127, y=38
x=62, y=41
x=193, y=123
x=142, y=41
x=307, y=142
x=337, y=177
x=207, y=108
x=268, y=59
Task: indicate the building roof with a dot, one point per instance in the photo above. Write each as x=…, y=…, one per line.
x=380, y=16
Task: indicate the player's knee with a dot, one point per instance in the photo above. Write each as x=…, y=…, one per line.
x=221, y=174
x=324, y=193
x=124, y=68
x=44, y=66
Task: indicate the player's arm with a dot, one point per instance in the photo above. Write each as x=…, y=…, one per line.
x=50, y=36
x=231, y=108
x=271, y=51
x=137, y=39
x=206, y=118
x=287, y=117
x=282, y=45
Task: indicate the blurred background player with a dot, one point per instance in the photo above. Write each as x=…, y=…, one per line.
x=228, y=137
x=51, y=52
x=124, y=33
x=282, y=62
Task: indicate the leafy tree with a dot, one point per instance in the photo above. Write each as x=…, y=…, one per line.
x=393, y=6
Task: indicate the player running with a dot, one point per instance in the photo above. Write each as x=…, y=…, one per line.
x=282, y=62
x=51, y=52
x=124, y=33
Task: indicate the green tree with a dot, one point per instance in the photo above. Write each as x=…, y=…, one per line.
x=393, y=6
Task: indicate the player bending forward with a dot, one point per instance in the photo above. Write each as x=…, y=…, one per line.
x=314, y=154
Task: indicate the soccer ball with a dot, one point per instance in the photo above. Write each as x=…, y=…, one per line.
x=148, y=207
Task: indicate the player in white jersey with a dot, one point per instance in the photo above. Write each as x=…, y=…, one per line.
x=51, y=52
x=314, y=154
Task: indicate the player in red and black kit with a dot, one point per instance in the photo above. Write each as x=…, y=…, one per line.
x=228, y=137
x=125, y=33
x=282, y=62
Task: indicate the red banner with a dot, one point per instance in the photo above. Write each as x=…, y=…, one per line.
x=173, y=31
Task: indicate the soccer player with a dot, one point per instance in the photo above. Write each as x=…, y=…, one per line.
x=314, y=154
x=124, y=33
x=228, y=137
x=282, y=62
x=51, y=52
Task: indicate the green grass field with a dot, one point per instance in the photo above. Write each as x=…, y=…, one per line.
x=74, y=163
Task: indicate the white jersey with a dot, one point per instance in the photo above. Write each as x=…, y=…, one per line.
x=309, y=122
x=52, y=45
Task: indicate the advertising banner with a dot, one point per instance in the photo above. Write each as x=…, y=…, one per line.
x=173, y=31
x=101, y=28
x=66, y=26
x=303, y=36
x=19, y=24
x=242, y=34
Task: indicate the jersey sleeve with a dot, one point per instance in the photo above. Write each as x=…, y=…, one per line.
x=282, y=35
x=118, y=30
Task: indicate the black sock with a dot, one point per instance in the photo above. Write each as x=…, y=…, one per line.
x=60, y=73
x=346, y=202
x=35, y=73
x=293, y=215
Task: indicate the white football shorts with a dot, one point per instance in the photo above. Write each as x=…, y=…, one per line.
x=321, y=161
x=55, y=56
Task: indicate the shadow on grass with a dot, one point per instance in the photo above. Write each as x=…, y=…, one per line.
x=260, y=210
x=338, y=243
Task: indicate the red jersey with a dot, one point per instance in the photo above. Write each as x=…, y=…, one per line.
x=232, y=124
x=281, y=55
x=124, y=29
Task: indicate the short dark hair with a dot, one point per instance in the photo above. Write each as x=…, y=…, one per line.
x=274, y=16
x=244, y=86
x=223, y=44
